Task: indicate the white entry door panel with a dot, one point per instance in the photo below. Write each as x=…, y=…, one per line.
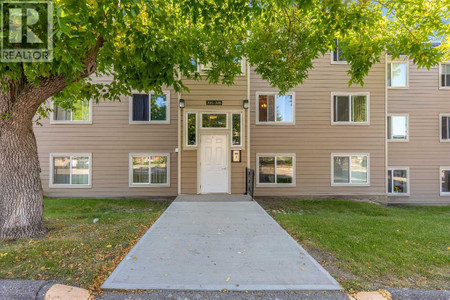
x=213, y=164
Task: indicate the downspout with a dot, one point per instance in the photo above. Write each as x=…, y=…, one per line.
x=248, y=115
x=386, y=125
x=179, y=140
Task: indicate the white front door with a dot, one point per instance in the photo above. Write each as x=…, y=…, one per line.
x=213, y=164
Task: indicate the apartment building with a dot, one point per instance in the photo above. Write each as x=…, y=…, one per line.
x=386, y=141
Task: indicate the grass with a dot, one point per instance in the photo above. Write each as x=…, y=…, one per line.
x=367, y=246
x=77, y=251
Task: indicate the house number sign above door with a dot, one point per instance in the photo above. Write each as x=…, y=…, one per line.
x=213, y=102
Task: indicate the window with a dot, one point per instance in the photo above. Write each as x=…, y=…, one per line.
x=445, y=181
x=236, y=129
x=444, y=71
x=350, y=169
x=80, y=113
x=70, y=170
x=337, y=56
x=275, y=109
x=276, y=169
x=191, y=129
x=214, y=121
x=398, y=128
x=150, y=108
x=397, y=73
x=149, y=169
x=350, y=108
x=202, y=68
x=444, y=121
x=398, y=181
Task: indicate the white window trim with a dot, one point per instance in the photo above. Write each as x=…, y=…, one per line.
x=70, y=186
x=294, y=173
x=186, y=129
x=231, y=129
x=202, y=70
x=440, y=76
x=271, y=123
x=441, y=193
x=349, y=94
x=407, y=74
x=440, y=127
x=333, y=155
x=57, y=122
x=407, y=128
x=407, y=182
x=149, y=154
x=214, y=113
x=130, y=109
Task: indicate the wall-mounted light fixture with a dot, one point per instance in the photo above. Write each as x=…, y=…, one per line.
x=245, y=104
x=182, y=103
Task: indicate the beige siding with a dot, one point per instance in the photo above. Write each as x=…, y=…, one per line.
x=313, y=139
x=424, y=153
x=110, y=139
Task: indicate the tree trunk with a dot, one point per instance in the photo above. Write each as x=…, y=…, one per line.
x=21, y=196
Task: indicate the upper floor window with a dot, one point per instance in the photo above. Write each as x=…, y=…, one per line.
x=337, y=56
x=149, y=169
x=397, y=74
x=350, y=169
x=350, y=108
x=273, y=108
x=444, y=75
x=275, y=169
x=81, y=113
x=398, y=181
x=398, y=128
x=444, y=120
x=70, y=170
x=151, y=108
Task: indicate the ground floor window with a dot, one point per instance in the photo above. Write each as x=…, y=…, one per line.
x=276, y=169
x=350, y=169
x=445, y=181
x=191, y=129
x=149, y=169
x=70, y=170
x=398, y=181
x=214, y=121
x=236, y=129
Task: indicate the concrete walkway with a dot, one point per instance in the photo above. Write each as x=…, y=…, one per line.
x=225, y=244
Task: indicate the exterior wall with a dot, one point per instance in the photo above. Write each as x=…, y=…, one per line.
x=232, y=101
x=110, y=138
x=424, y=154
x=313, y=139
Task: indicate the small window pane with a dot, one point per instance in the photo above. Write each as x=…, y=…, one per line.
x=236, y=129
x=447, y=75
x=271, y=108
x=389, y=79
x=389, y=181
x=341, y=169
x=141, y=169
x=158, y=107
x=400, y=181
x=80, y=112
x=337, y=53
x=284, y=108
x=399, y=73
x=359, y=169
x=445, y=127
x=214, y=120
x=159, y=169
x=398, y=127
x=359, y=109
x=80, y=170
x=285, y=172
x=140, y=107
x=191, y=129
x=267, y=170
x=445, y=181
x=61, y=170
x=341, y=107
x=61, y=114
x=263, y=100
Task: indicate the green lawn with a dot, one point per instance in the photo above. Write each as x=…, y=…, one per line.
x=367, y=246
x=76, y=251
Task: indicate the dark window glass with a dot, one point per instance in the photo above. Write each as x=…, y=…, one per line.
x=341, y=109
x=214, y=120
x=236, y=129
x=191, y=129
x=445, y=127
x=267, y=170
x=445, y=181
x=389, y=181
x=141, y=107
x=263, y=108
x=337, y=52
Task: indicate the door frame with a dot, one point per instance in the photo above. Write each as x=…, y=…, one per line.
x=199, y=157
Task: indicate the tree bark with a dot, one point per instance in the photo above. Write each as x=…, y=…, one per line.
x=21, y=196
